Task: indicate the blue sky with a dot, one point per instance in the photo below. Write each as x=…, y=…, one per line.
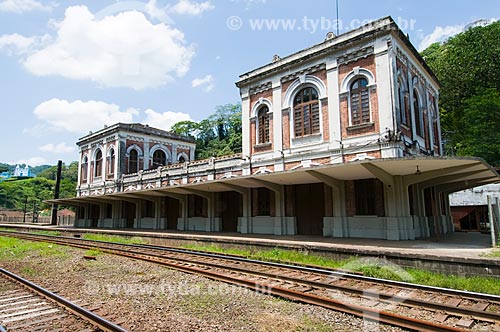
x=67, y=67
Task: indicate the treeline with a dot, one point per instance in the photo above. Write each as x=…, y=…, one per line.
x=468, y=68
x=217, y=135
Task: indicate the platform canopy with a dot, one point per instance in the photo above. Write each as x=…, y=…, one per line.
x=446, y=174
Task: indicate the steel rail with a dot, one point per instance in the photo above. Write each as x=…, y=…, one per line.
x=320, y=270
x=87, y=315
x=359, y=311
x=485, y=315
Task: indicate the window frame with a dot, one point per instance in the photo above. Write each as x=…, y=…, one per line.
x=84, y=168
x=98, y=161
x=313, y=115
x=263, y=125
x=419, y=125
x=111, y=162
x=158, y=162
x=130, y=161
x=360, y=109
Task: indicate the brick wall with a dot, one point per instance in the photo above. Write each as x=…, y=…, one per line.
x=286, y=130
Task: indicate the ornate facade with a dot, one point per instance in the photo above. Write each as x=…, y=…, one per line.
x=340, y=139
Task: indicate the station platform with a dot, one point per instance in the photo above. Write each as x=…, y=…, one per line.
x=458, y=250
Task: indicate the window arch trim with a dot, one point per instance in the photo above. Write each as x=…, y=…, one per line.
x=135, y=147
x=259, y=104
x=301, y=83
x=354, y=75
x=182, y=155
x=161, y=147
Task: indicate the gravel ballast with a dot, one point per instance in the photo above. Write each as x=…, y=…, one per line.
x=149, y=297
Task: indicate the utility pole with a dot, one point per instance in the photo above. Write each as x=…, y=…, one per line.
x=35, y=214
x=56, y=193
x=25, y=205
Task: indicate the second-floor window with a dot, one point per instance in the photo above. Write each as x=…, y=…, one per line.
x=360, y=102
x=418, y=114
x=306, y=112
x=133, y=161
x=85, y=166
x=111, y=162
x=98, y=164
x=263, y=125
x=159, y=159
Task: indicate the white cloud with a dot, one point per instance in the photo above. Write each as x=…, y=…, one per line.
x=125, y=50
x=21, y=6
x=164, y=120
x=56, y=148
x=439, y=34
x=206, y=82
x=156, y=12
x=80, y=116
x=250, y=3
x=187, y=7
x=33, y=161
x=16, y=44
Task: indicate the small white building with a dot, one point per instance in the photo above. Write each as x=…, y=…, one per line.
x=22, y=171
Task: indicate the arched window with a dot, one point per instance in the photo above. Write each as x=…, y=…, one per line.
x=263, y=124
x=133, y=161
x=306, y=112
x=111, y=161
x=418, y=115
x=159, y=158
x=360, y=102
x=181, y=159
x=402, y=96
x=84, y=168
x=98, y=164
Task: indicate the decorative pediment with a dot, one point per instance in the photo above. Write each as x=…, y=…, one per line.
x=355, y=55
x=301, y=74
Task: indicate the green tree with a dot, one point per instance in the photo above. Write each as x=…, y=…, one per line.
x=481, y=137
x=466, y=65
x=185, y=128
x=217, y=135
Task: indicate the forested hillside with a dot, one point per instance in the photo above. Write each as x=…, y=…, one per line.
x=468, y=68
x=14, y=193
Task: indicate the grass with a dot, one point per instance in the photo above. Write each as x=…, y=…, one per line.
x=12, y=248
x=368, y=266
x=53, y=233
x=114, y=238
x=30, y=272
x=488, y=285
x=274, y=255
x=93, y=252
x=494, y=253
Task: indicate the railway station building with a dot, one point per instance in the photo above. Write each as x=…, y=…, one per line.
x=341, y=139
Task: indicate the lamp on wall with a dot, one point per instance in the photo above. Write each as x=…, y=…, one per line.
x=418, y=171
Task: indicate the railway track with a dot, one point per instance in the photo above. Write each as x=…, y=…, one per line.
x=406, y=305
x=25, y=306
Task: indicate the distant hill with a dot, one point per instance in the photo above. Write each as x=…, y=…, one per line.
x=34, y=169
